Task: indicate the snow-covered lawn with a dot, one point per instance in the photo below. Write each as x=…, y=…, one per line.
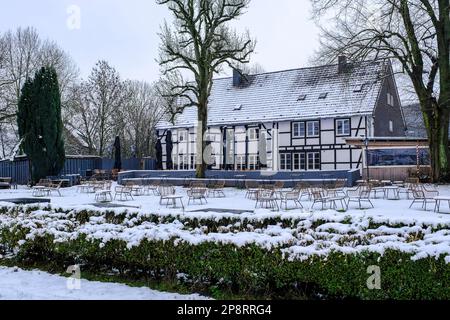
x=391, y=210
x=390, y=225
x=17, y=284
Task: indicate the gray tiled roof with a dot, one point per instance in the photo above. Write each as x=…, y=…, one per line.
x=275, y=96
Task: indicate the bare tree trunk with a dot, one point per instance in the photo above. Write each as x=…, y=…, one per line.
x=201, y=166
x=438, y=121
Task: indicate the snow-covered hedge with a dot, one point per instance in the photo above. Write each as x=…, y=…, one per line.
x=266, y=253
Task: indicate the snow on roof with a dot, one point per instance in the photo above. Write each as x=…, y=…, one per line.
x=275, y=96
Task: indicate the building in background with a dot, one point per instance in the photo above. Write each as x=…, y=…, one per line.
x=305, y=116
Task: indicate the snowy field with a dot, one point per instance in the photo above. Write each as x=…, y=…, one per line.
x=235, y=200
x=17, y=284
x=298, y=233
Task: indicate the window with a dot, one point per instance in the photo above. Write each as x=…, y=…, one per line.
x=343, y=127
x=253, y=162
x=302, y=97
x=298, y=130
x=390, y=100
x=398, y=157
x=313, y=160
x=313, y=129
x=253, y=134
x=285, y=162
x=237, y=107
x=358, y=88
x=323, y=95
x=391, y=126
x=182, y=136
x=299, y=161
x=183, y=162
x=240, y=163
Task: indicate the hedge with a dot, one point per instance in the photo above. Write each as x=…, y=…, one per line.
x=245, y=271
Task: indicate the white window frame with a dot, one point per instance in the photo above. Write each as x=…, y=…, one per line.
x=391, y=126
x=343, y=131
x=313, y=165
x=312, y=123
x=300, y=132
x=240, y=163
x=301, y=166
x=253, y=162
x=183, y=162
x=390, y=99
x=182, y=136
x=284, y=157
x=253, y=134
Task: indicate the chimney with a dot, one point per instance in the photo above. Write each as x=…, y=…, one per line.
x=237, y=78
x=342, y=64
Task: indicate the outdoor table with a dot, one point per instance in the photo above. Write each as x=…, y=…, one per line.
x=40, y=191
x=103, y=196
x=438, y=200
x=391, y=190
x=173, y=199
x=386, y=182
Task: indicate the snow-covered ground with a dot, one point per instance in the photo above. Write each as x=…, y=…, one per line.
x=392, y=210
x=17, y=284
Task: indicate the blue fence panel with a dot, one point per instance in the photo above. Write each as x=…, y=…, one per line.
x=18, y=169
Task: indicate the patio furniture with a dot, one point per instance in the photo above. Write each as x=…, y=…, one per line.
x=5, y=182
x=152, y=187
x=407, y=189
x=195, y=194
x=338, y=190
x=360, y=195
x=293, y=196
x=391, y=193
x=123, y=192
x=40, y=191
x=55, y=187
x=318, y=197
x=424, y=196
x=252, y=189
x=304, y=189
x=173, y=199
x=438, y=199
x=267, y=200
x=216, y=189
x=164, y=192
x=103, y=196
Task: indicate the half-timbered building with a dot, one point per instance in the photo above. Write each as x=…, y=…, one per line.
x=303, y=115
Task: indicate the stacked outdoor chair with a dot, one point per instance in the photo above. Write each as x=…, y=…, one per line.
x=216, y=189
x=424, y=194
x=360, y=195
x=197, y=194
x=265, y=199
x=293, y=196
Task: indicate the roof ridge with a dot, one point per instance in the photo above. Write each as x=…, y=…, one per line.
x=301, y=68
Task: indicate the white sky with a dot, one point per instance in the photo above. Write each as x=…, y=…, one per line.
x=124, y=32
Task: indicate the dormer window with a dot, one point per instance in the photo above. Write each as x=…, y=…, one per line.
x=323, y=95
x=237, y=107
x=358, y=88
x=302, y=97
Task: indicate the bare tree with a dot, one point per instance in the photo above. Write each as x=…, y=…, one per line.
x=22, y=53
x=141, y=113
x=413, y=33
x=200, y=43
x=96, y=107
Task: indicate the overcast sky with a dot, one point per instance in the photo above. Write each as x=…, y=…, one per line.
x=124, y=32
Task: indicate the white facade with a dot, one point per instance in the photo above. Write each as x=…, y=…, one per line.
x=307, y=145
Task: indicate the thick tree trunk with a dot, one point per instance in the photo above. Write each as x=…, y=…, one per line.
x=438, y=141
x=201, y=165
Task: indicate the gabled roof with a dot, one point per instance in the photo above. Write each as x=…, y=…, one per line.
x=292, y=95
